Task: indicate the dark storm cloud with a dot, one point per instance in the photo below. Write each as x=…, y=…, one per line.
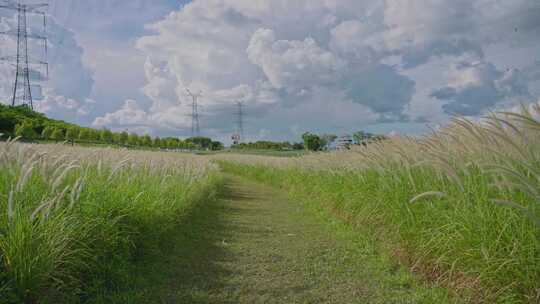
x=380, y=88
x=480, y=86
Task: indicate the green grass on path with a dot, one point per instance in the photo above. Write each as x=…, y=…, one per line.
x=256, y=246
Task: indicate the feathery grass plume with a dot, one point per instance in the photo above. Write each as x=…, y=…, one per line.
x=57, y=172
x=58, y=160
x=535, y=219
x=76, y=190
x=60, y=178
x=526, y=118
x=116, y=169
x=522, y=180
x=10, y=204
x=505, y=137
x=99, y=166
x=138, y=196
x=42, y=206
x=57, y=202
x=480, y=166
x=165, y=177
x=46, y=243
x=426, y=195
x=26, y=172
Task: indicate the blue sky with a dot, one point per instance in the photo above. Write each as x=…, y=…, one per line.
x=329, y=66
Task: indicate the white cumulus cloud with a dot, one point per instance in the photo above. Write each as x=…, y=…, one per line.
x=327, y=65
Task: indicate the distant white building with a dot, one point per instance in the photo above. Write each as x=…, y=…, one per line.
x=236, y=139
x=344, y=142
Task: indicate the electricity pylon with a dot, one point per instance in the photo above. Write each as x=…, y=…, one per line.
x=25, y=71
x=239, y=136
x=195, y=127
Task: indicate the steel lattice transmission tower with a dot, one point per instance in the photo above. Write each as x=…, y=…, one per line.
x=239, y=136
x=195, y=127
x=27, y=69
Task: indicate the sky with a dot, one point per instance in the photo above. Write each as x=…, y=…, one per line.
x=325, y=66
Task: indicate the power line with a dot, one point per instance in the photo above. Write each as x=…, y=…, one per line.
x=195, y=127
x=25, y=67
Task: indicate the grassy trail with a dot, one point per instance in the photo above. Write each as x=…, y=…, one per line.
x=255, y=246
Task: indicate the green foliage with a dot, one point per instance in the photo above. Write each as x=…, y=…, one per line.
x=200, y=142
x=85, y=134
x=267, y=145
x=116, y=139
x=94, y=135
x=133, y=139
x=298, y=146
x=364, y=138
x=57, y=134
x=156, y=143
x=26, y=131
x=72, y=134
x=146, y=141
x=10, y=117
x=312, y=141
x=216, y=146
x=106, y=136
x=171, y=143
x=360, y=136
x=22, y=121
x=124, y=136
x=47, y=132
x=8, y=122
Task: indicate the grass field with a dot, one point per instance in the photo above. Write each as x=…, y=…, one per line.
x=451, y=217
x=74, y=221
x=460, y=207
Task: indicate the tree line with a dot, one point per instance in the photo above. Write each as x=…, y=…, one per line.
x=22, y=122
x=312, y=142
x=269, y=145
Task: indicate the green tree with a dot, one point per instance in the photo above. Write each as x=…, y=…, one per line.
x=363, y=138
x=57, y=134
x=47, y=132
x=359, y=137
x=216, y=146
x=106, y=136
x=72, y=134
x=95, y=135
x=146, y=141
x=25, y=130
x=124, y=136
x=312, y=142
x=133, y=139
x=156, y=142
x=84, y=134
x=298, y=146
x=172, y=143
x=200, y=142
x=116, y=138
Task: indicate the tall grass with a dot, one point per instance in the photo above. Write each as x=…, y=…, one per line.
x=72, y=220
x=460, y=206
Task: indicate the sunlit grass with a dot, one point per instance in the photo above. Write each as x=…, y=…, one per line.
x=460, y=206
x=72, y=220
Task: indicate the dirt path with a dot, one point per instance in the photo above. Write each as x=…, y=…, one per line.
x=255, y=246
